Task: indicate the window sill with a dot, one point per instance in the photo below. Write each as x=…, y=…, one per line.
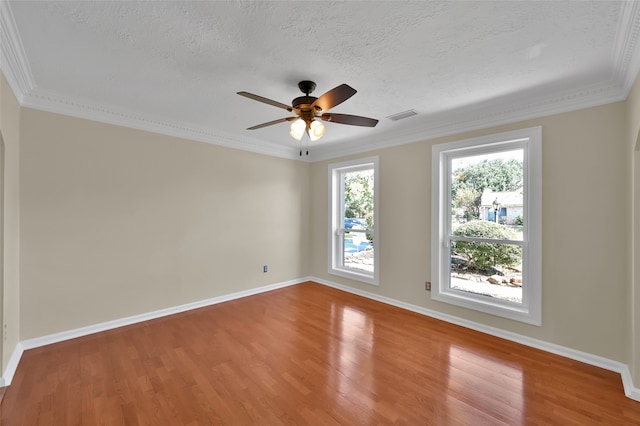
x=354, y=275
x=507, y=310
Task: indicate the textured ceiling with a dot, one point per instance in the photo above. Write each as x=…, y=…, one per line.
x=175, y=67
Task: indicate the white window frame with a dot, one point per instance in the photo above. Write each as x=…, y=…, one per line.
x=530, y=139
x=336, y=225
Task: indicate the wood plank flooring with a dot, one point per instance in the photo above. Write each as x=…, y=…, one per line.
x=306, y=355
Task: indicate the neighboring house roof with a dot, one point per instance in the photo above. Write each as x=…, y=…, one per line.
x=507, y=198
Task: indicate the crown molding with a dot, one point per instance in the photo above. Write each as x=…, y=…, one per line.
x=625, y=60
x=81, y=108
x=14, y=63
x=485, y=115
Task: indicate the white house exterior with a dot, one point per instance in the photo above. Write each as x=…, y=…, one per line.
x=509, y=206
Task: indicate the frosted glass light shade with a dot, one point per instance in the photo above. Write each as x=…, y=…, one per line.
x=316, y=130
x=297, y=129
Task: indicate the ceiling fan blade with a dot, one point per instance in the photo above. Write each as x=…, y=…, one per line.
x=265, y=100
x=334, y=97
x=269, y=123
x=354, y=120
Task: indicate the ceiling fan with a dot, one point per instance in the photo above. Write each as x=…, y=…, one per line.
x=309, y=109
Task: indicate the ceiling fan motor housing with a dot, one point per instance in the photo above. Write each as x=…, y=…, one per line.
x=303, y=103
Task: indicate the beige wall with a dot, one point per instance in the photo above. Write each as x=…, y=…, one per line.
x=633, y=118
x=117, y=222
x=585, y=203
x=10, y=285
x=635, y=284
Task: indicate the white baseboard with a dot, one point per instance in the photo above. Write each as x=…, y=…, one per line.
x=623, y=369
x=7, y=376
x=629, y=389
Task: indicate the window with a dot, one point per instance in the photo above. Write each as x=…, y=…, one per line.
x=486, y=224
x=353, y=230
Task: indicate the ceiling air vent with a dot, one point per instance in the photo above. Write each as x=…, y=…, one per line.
x=403, y=114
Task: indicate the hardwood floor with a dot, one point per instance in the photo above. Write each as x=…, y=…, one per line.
x=306, y=354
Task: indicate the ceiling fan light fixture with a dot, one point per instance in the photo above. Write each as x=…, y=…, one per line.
x=297, y=129
x=316, y=130
x=310, y=109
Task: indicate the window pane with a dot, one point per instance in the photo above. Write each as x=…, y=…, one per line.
x=358, y=251
x=488, y=188
x=486, y=212
x=487, y=269
x=358, y=199
x=353, y=210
